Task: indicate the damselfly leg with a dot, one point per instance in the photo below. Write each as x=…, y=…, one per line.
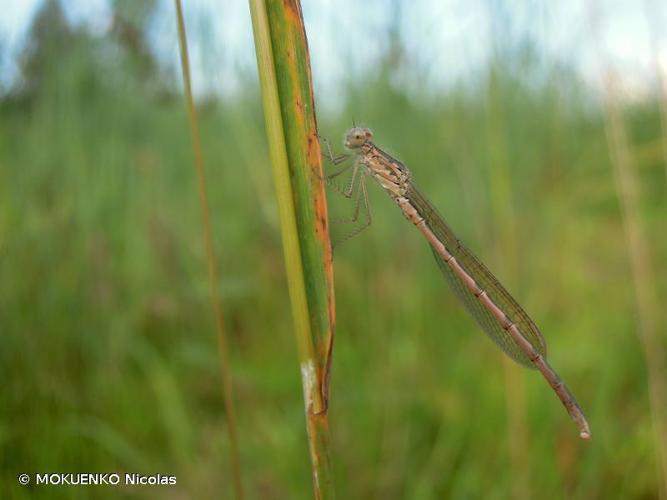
x=360, y=204
x=354, y=189
x=329, y=155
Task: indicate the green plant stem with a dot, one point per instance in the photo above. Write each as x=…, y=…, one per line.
x=284, y=70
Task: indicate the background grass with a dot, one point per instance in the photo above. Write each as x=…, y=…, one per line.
x=106, y=343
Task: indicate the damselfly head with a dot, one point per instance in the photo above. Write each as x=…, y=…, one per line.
x=357, y=136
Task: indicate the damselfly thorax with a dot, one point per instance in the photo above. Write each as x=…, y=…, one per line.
x=391, y=174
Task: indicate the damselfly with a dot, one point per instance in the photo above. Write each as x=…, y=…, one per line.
x=488, y=302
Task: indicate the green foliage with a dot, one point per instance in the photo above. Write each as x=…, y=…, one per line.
x=105, y=343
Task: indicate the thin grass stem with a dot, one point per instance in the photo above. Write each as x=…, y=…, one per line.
x=223, y=349
x=629, y=197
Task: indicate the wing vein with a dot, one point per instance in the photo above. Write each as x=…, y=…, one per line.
x=486, y=281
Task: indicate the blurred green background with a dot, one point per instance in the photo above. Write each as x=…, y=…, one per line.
x=107, y=345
